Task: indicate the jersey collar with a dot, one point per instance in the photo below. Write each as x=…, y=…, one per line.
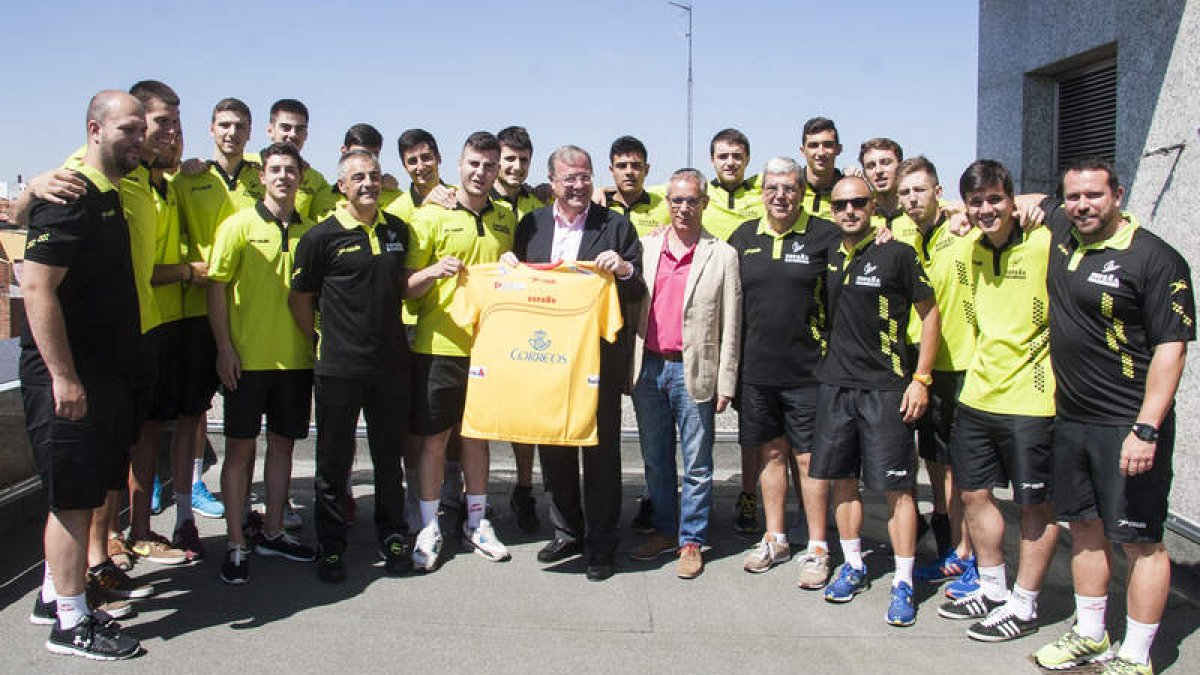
x=1016, y=236
x=348, y=221
x=1119, y=241
x=799, y=227
x=858, y=248
x=96, y=177
x=610, y=200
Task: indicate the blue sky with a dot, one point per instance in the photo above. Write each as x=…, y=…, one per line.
x=571, y=72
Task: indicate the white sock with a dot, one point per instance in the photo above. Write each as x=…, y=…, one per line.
x=476, y=508
x=815, y=544
x=1138, y=638
x=904, y=571
x=429, y=511
x=48, y=592
x=779, y=537
x=1089, y=616
x=183, y=509
x=1023, y=603
x=993, y=582
x=852, y=551
x=71, y=610
x=197, y=470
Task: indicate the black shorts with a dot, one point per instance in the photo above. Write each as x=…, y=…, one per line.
x=197, y=367
x=768, y=412
x=284, y=396
x=168, y=343
x=991, y=450
x=861, y=432
x=1088, y=483
x=439, y=385
x=80, y=461
x=935, y=426
x=145, y=381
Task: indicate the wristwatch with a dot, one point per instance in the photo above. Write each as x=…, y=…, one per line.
x=924, y=378
x=1145, y=432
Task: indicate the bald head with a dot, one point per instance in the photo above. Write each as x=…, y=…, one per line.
x=112, y=101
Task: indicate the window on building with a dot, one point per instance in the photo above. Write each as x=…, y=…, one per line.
x=1086, y=120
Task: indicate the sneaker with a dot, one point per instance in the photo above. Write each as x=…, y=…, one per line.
x=1001, y=625
x=331, y=568
x=1071, y=650
x=967, y=584
x=396, y=554
x=745, y=518
x=235, y=571
x=155, y=548
x=46, y=613
x=691, y=563
x=643, y=522
x=901, y=609
x=187, y=539
x=483, y=540
x=814, y=570
x=113, y=581
x=43, y=613
x=93, y=639
x=1123, y=666
x=971, y=606
x=428, y=548
x=949, y=567
x=849, y=583
x=156, y=497
x=766, y=555
x=204, y=503
x=655, y=545
x=284, y=545
x=292, y=521
x=119, y=553
x=525, y=507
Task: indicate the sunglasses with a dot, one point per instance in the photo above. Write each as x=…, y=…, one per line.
x=855, y=203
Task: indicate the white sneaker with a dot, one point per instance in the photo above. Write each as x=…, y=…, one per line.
x=483, y=540
x=428, y=548
x=766, y=555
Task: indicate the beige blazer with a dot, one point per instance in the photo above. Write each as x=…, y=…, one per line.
x=712, y=316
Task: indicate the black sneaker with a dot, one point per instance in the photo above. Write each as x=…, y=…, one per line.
x=746, y=514
x=971, y=606
x=1002, y=625
x=46, y=613
x=525, y=506
x=284, y=545
x=93, y=639
x=643, y=522
x=331, y=568
x=43, y=613
x=117, y=583
x=235, y=571
x=397, y=554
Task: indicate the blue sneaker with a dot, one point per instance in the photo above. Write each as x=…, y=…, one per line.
x=949, y=567
x=901, y=610
x=156, y=497
x=204, y=503
x=967, y=584
x=848, y=583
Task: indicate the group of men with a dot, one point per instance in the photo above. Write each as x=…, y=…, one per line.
x=1034, y=341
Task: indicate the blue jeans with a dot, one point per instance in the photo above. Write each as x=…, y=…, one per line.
x=661, y=402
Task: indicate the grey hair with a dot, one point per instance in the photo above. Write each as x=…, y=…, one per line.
x=568, y=154
x=351, y=154
x=777, y=166
x=690, y=174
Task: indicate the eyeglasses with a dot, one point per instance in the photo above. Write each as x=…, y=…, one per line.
x=856, y=203
x=690, y=201
x=575, y=179
x=788, y=190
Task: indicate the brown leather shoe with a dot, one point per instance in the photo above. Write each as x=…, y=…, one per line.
x=690, y=564
x=655, y=545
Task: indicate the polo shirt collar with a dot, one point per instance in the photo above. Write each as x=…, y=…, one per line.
x=1120, y=240
x=1016, y=236
x=747, y=184
x=260, y=207
x=96, y=177
x=866, y=241
x=487, y=206
x=799, y=227
x=417, y=197
x=610, y=199
x=349, y=222
x=522, y=191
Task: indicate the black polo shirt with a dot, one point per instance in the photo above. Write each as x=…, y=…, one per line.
x=783, y=298
x=90, y=239
x=1111, y=304
x=359, y=276
x=871, y=292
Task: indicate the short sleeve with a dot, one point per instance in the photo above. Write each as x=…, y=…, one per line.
x=1168, y=303
x=227, y=248
x=56, y=233
x=916, y=280
x=308, y=263
x=421, y=239
x=609, y=309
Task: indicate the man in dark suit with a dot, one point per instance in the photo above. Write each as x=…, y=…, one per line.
x=573, y=228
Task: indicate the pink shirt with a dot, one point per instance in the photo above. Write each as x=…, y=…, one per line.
x=568, y=234
x=664, y=331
